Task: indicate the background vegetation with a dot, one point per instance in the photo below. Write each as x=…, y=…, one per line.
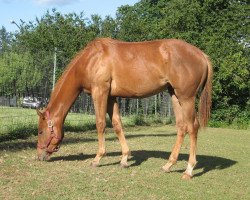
x=218, y=27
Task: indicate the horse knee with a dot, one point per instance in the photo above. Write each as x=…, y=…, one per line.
x=182, y=128
x=191, y=130
x=100, y=125
x=117, y=125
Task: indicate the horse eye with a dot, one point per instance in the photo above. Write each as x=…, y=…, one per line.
x=40, y=132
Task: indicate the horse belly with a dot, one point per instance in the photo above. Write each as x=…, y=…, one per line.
x=137, y=88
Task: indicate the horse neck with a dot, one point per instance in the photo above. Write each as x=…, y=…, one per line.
x=64, y=94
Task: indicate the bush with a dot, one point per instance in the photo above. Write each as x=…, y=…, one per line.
x=231, y=117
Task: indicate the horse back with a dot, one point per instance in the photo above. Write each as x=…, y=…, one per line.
x=139, y=69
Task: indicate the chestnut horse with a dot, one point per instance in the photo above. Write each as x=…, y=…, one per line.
x=109, y=68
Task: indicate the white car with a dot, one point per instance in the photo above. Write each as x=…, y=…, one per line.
x=31, y=102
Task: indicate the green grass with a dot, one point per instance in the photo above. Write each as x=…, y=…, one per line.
x=21, y=123
x=222, y=171
x=18, y=123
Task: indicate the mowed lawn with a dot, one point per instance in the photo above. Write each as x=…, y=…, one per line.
x=222, y=172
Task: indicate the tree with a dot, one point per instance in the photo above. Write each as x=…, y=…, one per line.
x=18, y=74
x=68, y=33
x=5, y=40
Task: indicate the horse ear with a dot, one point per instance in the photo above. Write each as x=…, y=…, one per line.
x=40, y=113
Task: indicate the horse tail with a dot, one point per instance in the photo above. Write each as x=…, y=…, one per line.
x=206, y=96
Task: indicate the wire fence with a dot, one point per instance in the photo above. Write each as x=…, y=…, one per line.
x=159, y=104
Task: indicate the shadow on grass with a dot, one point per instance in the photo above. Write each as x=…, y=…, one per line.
x=16, y=145
x=206, y=163
x=19, y=133
x=25, y=131
x=129, y=136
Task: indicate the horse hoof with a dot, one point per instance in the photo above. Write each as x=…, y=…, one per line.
x=94, y=164
x=124, y=165
x=165, y=169
x=186, y=177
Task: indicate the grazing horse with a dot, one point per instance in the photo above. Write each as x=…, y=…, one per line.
x=109, y=68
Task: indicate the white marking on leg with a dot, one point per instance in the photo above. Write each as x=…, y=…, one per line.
x=189, y=169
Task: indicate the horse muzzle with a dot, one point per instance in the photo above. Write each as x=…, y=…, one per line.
x=43, y=155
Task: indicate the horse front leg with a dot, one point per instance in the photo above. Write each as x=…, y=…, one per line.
x=100, y=97
x=114, y=114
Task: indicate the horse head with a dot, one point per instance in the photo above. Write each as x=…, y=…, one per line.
x=49, y=135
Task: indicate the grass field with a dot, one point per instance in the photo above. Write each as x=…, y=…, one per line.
x=222, y=171
x=16, y=123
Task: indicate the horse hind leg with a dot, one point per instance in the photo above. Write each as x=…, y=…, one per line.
x=114, y=114
x=192, y=124
x=181, y=131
